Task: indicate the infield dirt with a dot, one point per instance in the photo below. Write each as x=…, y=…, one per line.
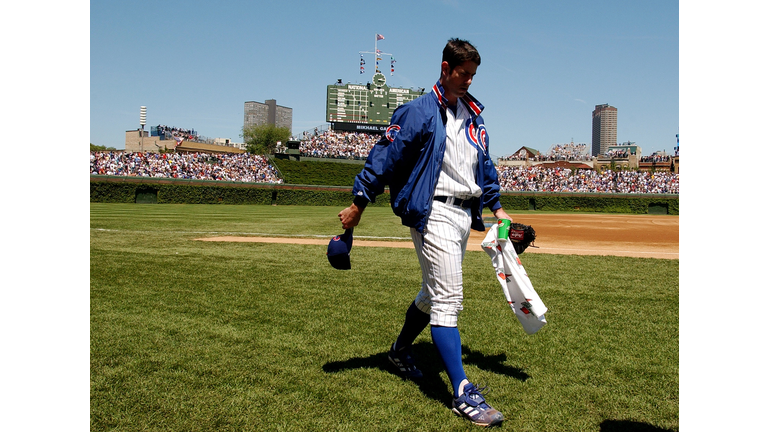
x=642, y=236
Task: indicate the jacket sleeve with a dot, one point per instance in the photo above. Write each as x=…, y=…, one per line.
x=491, y=187
x=389, y=155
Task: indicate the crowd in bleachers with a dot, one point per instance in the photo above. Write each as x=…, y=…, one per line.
x=541, y=179
x=355, y=145
x=617, y=153
x=198, y=166
x=172, y=131
x=521, y=156
x=566, y=152
x=338, y=145
x=560, y=157
x=655, y=158
x=558, y=152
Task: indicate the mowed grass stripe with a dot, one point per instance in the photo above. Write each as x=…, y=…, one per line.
x=197, y=336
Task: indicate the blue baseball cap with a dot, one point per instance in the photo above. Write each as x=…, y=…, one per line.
x=338, y=250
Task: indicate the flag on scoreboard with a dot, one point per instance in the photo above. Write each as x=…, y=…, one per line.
x=379, y=37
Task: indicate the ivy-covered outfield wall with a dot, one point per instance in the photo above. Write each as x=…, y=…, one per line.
x=111, y=189
x=593, y=202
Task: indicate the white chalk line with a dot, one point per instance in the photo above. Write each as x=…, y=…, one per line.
x=328, y=236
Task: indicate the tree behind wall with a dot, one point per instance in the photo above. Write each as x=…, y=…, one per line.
x=261, y=139
x=95, y=148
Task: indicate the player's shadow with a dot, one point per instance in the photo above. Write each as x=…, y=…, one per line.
x=429, y=362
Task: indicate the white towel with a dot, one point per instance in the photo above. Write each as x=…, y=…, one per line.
x=517, y=287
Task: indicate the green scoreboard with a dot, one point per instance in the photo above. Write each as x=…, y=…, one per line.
x=371, y=104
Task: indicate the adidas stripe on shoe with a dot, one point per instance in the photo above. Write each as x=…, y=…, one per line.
x=471, y=404
x=403, y=361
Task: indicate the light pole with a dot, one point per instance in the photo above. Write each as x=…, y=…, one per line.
x=142, y=122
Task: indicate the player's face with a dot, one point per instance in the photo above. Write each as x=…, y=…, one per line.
x=456, y=81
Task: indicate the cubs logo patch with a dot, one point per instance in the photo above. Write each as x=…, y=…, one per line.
x=392, y=132
x=477, y=135
x=472, y=133
x=482, y=136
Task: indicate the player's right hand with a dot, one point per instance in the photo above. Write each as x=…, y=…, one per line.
x=350, y=216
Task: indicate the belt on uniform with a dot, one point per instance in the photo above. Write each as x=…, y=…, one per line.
x=465, y=203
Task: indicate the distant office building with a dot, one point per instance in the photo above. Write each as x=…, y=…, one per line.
x=269, y=112
x=604, y=120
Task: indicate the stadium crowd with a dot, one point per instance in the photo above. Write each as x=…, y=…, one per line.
x=355, y=145
x=198, y=166
x=558, y=152
x=655, y=158
x=617, y=153
x=338, y=145
x=172, y=131
x=541, y=179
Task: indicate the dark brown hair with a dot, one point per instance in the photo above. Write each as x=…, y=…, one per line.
x=457, y=51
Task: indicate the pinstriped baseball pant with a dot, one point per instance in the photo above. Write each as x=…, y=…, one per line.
x=441, y=251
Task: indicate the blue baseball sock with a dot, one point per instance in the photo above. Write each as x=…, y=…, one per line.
x=415, y=322
x=448, y=343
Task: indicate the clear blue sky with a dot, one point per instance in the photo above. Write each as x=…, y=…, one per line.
x=545, y=65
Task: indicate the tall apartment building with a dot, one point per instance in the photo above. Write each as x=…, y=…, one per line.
x=269, y=112
x=604, y=121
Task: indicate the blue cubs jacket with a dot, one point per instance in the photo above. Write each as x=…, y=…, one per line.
x=409, y=158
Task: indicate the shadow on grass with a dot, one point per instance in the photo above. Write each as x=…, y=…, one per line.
x=629, y=426
x=429, y=362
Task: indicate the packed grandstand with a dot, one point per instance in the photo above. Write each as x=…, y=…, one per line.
x=354, y=145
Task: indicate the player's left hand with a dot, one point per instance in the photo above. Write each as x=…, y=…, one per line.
x=501, y=214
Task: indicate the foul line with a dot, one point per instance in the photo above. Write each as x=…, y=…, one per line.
x=328, y=236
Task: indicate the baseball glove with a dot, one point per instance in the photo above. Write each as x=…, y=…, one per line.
x=521, y=236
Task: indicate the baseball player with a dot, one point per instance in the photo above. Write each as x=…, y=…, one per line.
x=434, y=157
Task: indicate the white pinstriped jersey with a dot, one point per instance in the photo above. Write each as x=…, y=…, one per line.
x=457, y=176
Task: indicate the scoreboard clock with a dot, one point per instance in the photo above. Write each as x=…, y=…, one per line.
x=366, y=104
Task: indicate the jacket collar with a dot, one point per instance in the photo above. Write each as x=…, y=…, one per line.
x=473, y=105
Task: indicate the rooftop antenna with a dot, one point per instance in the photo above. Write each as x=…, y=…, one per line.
x=142, y=122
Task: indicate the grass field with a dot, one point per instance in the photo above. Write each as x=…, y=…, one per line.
x=207, y=336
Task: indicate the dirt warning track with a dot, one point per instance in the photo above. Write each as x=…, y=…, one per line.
x=641, y=236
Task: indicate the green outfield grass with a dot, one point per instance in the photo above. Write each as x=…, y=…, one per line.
x=208, y=336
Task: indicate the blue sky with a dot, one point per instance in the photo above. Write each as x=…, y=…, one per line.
x=545, y=65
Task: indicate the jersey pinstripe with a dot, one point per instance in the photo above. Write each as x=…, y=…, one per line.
x=457, y=177
x=441, y=252
x=442, y=247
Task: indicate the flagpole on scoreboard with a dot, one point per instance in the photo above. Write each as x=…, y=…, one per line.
x=375, y=52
